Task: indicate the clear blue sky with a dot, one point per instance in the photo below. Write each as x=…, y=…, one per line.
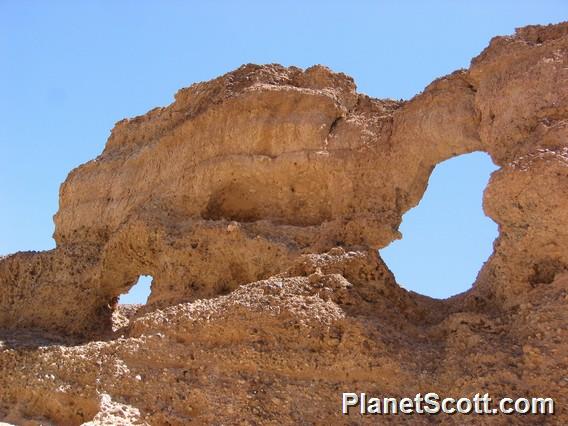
x=69, y=70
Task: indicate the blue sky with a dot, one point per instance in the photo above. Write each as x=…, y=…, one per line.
x=69, y=70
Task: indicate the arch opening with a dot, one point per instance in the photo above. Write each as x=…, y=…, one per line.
x=447, y=237
x=138, y=293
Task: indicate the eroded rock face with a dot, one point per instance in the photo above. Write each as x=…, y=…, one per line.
x=290, y=180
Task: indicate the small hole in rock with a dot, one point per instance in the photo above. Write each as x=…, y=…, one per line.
x=138, y=293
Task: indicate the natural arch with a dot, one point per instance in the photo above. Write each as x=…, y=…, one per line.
x=447, y=237
x=171, y=191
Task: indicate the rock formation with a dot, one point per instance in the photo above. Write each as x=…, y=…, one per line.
x=258, y=201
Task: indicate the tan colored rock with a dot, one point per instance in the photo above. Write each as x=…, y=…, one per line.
x=225, y=186
x=257, y=202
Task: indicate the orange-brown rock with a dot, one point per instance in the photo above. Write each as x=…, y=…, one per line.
x=257, y=202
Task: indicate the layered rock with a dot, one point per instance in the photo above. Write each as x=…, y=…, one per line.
x=225, y=186
x=257, y=202
x=283, y=349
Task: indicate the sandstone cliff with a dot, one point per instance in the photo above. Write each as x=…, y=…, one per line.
x=257, y=202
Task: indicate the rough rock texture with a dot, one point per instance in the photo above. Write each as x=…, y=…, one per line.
x=257, y=202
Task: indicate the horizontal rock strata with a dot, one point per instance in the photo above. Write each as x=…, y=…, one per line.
x=257, y=201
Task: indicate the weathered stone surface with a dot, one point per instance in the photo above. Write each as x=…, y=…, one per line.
x=226, y=186
x=257, y=202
